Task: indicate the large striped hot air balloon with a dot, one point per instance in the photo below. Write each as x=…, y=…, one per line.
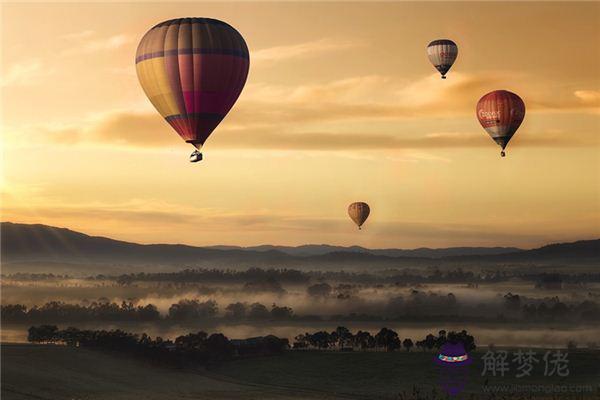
x=442, y=53
x=193, y=70
x=359, y=212
x=500, y=113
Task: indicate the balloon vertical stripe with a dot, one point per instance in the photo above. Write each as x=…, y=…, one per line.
x=193, y=70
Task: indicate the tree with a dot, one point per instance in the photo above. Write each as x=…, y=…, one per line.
x=196, y=341
x=344, y=336
x=387, y=339
x=236, y=311
x=512, y=302
x=320, y=340
x=430, y=341
x=71, y=336
x=219, y=346
x=125, y=280
x=275, y=345
x=13, y=312
x=258, y=312
x=467, y=340
x=192, y=309
x=148, y=313
x=42, y=334
x=319, y=290
x=301, y=341
x=407, y=343
x=441, y=339
x=364, y=340
x=281, y=313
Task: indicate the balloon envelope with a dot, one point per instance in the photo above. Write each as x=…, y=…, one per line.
x=192, y=70
x=500, y=113
x=442, y=53
x=359, y=212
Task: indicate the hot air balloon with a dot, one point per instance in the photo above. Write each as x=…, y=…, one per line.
x=192, y=70
x=442, y=53
x=500, y=113
x=359, y=212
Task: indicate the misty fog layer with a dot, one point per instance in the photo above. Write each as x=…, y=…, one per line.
x=503, y=312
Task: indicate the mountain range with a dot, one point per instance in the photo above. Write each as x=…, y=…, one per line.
x=26, y=248
x=425, y=252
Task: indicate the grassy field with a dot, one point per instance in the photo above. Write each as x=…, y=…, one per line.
x=58, y=372
x=386, y=375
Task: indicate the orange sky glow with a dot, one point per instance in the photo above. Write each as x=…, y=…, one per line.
x=341, y=105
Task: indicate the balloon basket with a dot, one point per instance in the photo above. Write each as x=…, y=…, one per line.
x=195, y=156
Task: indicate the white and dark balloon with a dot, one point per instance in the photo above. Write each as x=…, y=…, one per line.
x=442, y=53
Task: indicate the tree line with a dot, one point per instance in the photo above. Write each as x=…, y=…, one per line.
x=184, y=310
x=386, y=340
x=190, y=349
x=202, y=348
x=418, y=306
x=550, y=309
x=284, y=275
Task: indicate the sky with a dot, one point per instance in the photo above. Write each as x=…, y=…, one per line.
x=341, y=105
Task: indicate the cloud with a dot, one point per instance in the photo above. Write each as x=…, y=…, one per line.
x=374, y=97
x=77, y=36
x=25, y=73
x=150, y=131
x=301, y=50
x=85, y=43
x=591, y=97
x=123, y=128
x=109, y=43
x=145, y=213
x=345, y=141
x=366, y=98
x=135, y=129
x=324, y=117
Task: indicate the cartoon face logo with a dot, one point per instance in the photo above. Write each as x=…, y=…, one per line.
x=453, y=367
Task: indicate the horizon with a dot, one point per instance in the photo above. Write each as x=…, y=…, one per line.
x=299, y=245
x=329, y=116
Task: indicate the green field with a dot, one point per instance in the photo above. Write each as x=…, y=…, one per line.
x=59, y=372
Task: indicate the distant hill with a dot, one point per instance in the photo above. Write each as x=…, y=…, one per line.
x=36, y=243
x=425, y=252
x=37, y=246
x=582, y=250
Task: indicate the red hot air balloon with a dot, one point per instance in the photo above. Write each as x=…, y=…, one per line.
x=500, y=113
x=193, y=70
